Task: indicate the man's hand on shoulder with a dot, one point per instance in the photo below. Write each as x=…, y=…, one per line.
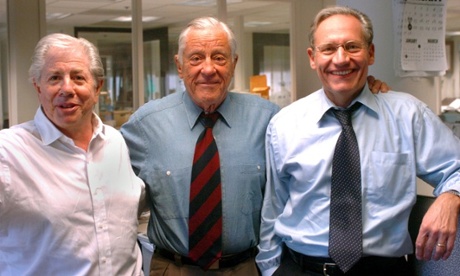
x=376, y=85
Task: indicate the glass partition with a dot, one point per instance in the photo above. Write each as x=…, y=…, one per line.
x=115, y=47
x=271, y=54
x=116, y=98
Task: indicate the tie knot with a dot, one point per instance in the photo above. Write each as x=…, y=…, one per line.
x=208, y=120
x=344, y=116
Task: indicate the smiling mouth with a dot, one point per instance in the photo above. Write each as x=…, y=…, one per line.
x=65, y=106
x=341, y=73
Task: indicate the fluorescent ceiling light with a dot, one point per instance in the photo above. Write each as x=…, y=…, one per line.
x=128, y=19
x=206, y=3
x=57, y=16
x=256, y=23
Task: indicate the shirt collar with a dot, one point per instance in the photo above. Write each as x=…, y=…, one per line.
x=193, y=111
x=366, y=98
x=50, y=133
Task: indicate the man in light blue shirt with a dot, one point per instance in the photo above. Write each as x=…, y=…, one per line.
x=399, y=139
x=161, y=137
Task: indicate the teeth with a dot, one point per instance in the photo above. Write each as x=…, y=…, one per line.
x=341, y=73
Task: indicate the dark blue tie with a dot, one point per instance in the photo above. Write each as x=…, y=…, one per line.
x=345, y=233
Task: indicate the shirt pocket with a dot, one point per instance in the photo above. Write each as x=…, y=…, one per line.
x=243, y=188
x=170, y=191
x=389, y=176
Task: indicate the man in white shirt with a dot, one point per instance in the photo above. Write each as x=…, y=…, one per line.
x=69, y=200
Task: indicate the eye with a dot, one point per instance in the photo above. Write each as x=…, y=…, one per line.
x=53, y=78
x=79, y=79
x=327, y=49
x=353, y=47
x=220, y=59
x=195, y=60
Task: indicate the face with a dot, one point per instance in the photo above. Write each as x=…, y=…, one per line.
x=342, y=74
x=67, y=90
x=207, y=67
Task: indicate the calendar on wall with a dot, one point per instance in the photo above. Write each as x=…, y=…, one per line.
x=420, y=30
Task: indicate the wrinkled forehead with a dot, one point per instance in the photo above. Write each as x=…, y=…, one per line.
x=207, y=39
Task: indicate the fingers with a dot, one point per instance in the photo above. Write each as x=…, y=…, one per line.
x=376, y=85
x=385, y=87
x=423, y=247
x=370, y=80
x=373, y=86
x=434, y=247
x=438, y=251
x=449, y=247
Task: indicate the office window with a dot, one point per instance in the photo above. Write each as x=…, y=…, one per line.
x=115, y=48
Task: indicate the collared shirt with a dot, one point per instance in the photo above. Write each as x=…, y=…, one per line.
x=161, y=137
x=64, y=211
x=399, y=139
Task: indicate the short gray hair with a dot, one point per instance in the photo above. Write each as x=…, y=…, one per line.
x=368, y=32
x=65, y=41
x=203, y=23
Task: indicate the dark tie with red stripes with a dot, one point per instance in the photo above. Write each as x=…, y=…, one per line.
x=205, y=214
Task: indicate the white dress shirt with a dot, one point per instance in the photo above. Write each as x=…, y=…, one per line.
x=64, y=211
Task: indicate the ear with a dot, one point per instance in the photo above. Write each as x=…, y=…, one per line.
x=99, y=87
x=311, y=56
x=178, y=65
x=37, y=88
x=371, y=54
x=235, y=61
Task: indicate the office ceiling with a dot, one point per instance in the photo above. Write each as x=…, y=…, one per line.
x=261, y=15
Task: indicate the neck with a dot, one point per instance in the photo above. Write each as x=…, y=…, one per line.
x=342, y=98
x=81, y=135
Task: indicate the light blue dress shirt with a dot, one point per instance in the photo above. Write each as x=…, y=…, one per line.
x=399, y=139
x=161, y=137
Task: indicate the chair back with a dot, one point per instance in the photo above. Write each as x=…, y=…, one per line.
x=258, y=84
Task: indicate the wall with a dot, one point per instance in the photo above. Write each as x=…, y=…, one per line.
x=449, y=84
x=26, y=24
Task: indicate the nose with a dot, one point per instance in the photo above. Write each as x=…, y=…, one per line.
x=208, y=66
x=341, y=55
x=67, y=87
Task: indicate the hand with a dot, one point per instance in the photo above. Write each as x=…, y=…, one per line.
x=376, y=85
x=438, y=230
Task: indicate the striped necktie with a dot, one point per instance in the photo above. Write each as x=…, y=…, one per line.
x=205, y=213
x=345, y=233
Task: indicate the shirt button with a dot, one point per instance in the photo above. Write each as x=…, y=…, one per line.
x=258, y=167
x=168, y=173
